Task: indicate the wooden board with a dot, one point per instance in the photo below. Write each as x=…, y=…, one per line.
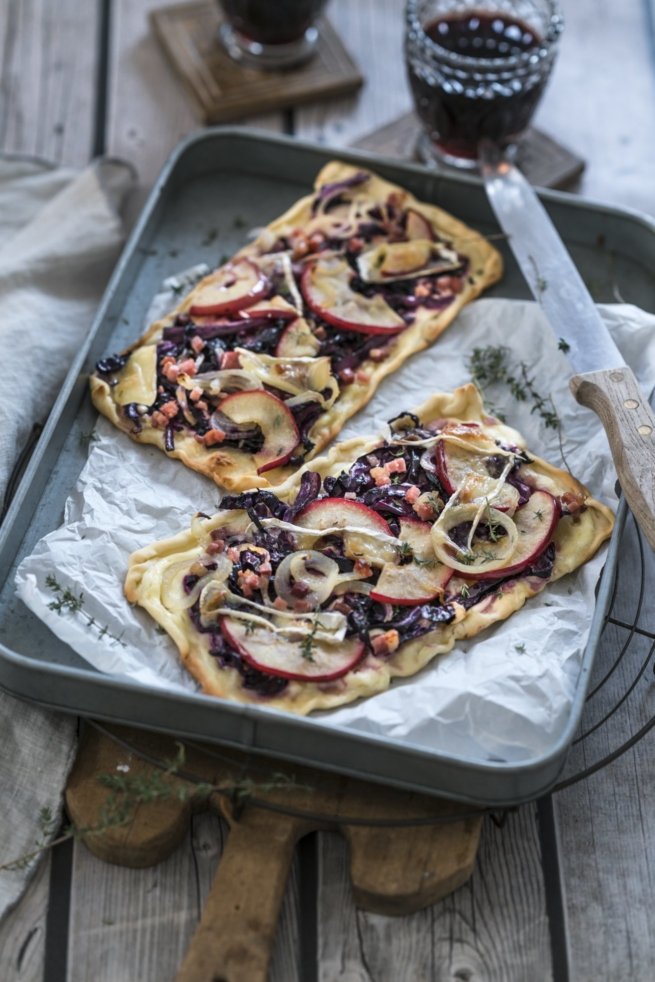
x=394, y=869
x=545, y=162
x=224, y=90
x=47, y=72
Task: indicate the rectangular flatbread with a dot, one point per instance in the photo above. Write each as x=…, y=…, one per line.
x=260, y=366
x=369, y=562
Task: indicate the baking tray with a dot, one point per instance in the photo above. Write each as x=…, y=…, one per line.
x=214, y=185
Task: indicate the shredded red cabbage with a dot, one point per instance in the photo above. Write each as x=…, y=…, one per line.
x=329, y=191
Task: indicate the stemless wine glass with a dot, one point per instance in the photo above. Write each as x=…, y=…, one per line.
x=270, y=34
x=477, y=69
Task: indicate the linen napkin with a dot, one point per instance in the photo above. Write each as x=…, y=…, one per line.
x=60, y=234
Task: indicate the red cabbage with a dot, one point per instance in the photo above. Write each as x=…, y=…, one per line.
x=329, y=191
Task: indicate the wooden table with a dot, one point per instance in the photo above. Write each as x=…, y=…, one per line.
x=565, y=889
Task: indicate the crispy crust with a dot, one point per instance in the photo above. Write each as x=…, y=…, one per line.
x=576, y=539
x=236, y=470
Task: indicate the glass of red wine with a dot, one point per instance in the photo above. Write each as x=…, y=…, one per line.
x=270, y=34
x=477, y=69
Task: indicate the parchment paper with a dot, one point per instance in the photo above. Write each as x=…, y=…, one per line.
x=505, y=695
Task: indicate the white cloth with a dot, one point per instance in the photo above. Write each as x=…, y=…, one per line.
x=60, y=234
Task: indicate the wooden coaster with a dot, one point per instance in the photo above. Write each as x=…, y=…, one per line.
x=544, y=162
x=223, y=89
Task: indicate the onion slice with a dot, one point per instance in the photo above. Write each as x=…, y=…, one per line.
x=311, y=571
x=477, y=556
x=173, y=594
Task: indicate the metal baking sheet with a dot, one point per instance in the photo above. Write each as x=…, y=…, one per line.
x=214, y=185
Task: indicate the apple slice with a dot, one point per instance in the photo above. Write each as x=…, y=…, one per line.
x=376, y=548
x=326, y=288
x=417, y=226
x=258, y=313
x=273, y=308
x=419, y=581
x=466, y=471
x=276, y=422
x=392, y=261
x=308, y=660
x=234, y=286
x=301, y=377
x=297, y=341
x=536, y=522
x=326, y=513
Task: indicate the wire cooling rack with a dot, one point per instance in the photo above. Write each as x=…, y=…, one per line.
x=620, y=696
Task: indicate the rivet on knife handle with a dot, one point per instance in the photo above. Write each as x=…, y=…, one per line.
x=617, y=400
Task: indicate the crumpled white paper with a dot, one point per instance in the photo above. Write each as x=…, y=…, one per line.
x=505, y=694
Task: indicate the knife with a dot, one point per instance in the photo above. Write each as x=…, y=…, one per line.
x=602, y=380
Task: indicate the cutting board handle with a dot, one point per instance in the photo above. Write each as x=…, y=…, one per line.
x=234, y=940
x=616, y=398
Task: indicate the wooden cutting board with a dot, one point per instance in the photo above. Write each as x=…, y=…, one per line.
x=398, y=865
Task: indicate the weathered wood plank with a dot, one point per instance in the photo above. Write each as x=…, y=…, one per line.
x=606, y=822
x=373, y=34
x=493, y=929
x=22, y=933
x=149, y=110
x=601, y=99
x=47, y=74
x=137, y=923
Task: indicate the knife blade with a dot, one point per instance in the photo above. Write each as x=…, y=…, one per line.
x=602, y=381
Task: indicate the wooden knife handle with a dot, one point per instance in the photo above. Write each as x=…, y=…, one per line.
x=629, y=422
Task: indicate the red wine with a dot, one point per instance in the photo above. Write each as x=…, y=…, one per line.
x=458, y=111
x=272, y=21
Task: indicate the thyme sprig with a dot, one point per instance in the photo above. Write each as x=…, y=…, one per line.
x=489, y=366
x=307, y=643
x=128, y=791
x=66, y=601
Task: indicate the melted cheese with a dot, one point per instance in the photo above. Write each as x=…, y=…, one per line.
x=138, y=381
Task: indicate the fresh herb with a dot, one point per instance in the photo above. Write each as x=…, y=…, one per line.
x=405, y=552
x=492, y=524
x=520, y=648
x=436, y=502
x=66, y=599
x=87, y=438
x=563, y=345
x=68, y=602
x=539, y=282
x=427, y=563
x=128, y=791
x=210, y=237
x=307, y=644
x=489, y=366
x=465, y=591
x=251, y=627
